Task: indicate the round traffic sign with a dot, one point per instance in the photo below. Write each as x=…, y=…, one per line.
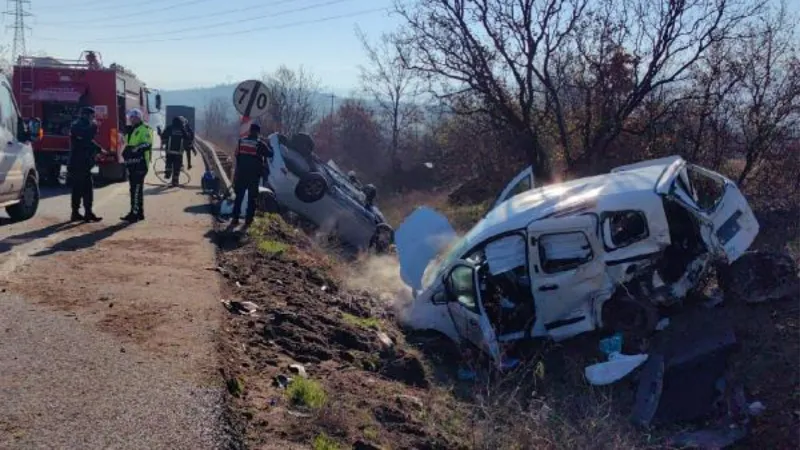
x=250, y=98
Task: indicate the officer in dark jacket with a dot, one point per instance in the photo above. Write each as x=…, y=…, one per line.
x=178, y=139
x=251, y=165
x=190, y=146
x=83, y=150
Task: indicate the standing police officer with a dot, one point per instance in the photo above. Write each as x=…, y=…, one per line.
x=139, y=146
x=177, y=142
x=251, y=165
x=81, y=161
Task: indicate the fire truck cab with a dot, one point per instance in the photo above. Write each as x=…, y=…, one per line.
x=51, y=93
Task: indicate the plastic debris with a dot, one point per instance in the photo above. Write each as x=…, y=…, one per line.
x=237, y=307
x=613, y=370
x=611, y=345
x=298, y=369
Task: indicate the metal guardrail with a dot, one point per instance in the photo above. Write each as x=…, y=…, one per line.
x=210, y=152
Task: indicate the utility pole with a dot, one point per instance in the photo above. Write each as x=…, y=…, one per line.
x=18, y=9
x=332, y=97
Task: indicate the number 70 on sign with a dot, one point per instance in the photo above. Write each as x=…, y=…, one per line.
x=250, y=98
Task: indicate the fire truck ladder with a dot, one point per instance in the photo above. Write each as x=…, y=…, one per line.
x=26, y=85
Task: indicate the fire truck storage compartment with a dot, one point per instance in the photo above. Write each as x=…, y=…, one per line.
x=57, y=117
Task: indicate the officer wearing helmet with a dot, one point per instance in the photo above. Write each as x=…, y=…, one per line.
x=190, y=144
x=83, y=151
x=177, y=141
x=138, y=148
x=251, y=164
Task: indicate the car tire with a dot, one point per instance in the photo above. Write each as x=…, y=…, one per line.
x=267, y=202
x=29, y=202
x=311, y=187
x=379, y=244
x=758, y=277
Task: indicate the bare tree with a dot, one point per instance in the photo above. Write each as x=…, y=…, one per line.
x=768, y=112
x=218, y=123
x=392, y=86
x=523, y=57
x=291, y=99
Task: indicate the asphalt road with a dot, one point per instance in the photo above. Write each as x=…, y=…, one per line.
x=107, y=330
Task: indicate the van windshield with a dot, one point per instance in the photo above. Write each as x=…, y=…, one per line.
x=57, y=117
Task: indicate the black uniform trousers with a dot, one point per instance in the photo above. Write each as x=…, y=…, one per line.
x=188, y=157
x=136, y=184
x=82, y=189
x=246, y=182
x=174, y=163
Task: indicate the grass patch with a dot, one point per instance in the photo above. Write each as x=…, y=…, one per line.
x=325, y=442
x=270, y=247
x=308, y=393
x=368, y=322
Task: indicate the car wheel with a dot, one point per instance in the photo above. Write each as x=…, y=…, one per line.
x=382, y=239
x=311, y=188
x=29, y=202
x=266, y=202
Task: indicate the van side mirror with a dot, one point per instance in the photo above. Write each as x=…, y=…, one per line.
x=158, y=102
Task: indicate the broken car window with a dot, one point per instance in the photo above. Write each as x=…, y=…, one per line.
x=462, y=287
x=623, y=228
x=708, y=189
x=564, y=251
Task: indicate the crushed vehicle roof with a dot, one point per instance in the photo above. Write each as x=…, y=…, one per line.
x=635, y=185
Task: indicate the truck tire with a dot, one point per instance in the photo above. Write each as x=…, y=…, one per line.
x=311, y=187
x=29, y=202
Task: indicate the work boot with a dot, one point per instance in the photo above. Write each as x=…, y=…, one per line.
x=90, y=217
x=140, y=217
x=167, y=175
x=131, y=217
x=76, y=217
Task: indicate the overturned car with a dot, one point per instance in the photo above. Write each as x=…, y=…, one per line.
x=320, y=193
x=559, y=260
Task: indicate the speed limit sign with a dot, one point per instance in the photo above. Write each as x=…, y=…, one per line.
x=250, y=98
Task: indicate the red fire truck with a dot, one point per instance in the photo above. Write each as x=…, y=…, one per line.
x=51, y=92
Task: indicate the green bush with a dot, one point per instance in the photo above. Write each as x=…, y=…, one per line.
x=308, y=393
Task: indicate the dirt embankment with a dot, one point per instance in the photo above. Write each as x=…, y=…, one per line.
x=367, y=387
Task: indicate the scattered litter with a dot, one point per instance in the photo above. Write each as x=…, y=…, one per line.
x=324, y=288
x=611, y=345
x=429, y=165
x=385, y=339
x=238, y=285
x=613, y=370
x=662, y=324
x=244, y=308
x=281, y=381
x=298, y=369
x=756, y=409
x=298, y=414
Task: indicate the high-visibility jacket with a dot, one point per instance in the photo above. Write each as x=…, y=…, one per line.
x=139, y=147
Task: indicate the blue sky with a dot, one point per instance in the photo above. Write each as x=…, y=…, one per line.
x=211, y=41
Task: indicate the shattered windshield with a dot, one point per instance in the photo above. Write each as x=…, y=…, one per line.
x=446, y=257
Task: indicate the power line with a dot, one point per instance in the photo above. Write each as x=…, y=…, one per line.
x=229, y=22
x=183, y=18
x=20, y=13
x=240, y=32
x=132, y=14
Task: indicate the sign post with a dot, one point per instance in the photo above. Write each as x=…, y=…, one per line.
x=251, y=101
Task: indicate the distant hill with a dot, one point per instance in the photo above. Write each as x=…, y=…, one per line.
x=200, y=97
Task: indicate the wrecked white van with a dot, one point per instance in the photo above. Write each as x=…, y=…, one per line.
x=569, y=258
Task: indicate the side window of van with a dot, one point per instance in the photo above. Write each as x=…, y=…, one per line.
x=8, y=116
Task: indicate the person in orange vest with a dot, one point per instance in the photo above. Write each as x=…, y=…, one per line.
x=251, y=164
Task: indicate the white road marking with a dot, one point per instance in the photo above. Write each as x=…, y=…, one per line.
x=20, y=256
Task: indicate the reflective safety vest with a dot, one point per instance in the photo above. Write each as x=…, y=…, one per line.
x=248, y=146
x=140, y=143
